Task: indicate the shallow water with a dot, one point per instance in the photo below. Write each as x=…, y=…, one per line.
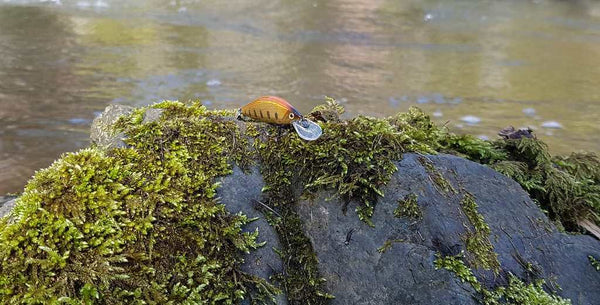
x=476, y=67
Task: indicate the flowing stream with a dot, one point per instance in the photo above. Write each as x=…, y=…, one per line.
x=476, y=66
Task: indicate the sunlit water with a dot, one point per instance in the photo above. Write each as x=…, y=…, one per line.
x=475, y=66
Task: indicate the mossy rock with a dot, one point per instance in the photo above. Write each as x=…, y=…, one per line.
x=137, y=217
x=523, y=241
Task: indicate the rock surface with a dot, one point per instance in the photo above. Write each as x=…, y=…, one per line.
x=347, y=248
x=7, y=203
x=402, y=271
x=357, y=273
x=240, y=193
x=101, y=133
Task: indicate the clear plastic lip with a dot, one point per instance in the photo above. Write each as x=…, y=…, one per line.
x=307, y=130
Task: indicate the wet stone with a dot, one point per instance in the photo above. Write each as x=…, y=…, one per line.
x=102, y=132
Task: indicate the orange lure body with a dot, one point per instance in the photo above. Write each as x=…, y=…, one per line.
x=271, y=109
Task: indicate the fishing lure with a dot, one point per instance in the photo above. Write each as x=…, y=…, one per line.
x=275, y=110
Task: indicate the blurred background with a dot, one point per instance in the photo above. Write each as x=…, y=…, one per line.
x=477, y=66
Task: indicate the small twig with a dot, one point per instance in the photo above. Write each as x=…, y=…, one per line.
x=349, y=237
x=268, y=208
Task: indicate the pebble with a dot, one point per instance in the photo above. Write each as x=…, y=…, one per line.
x=438, y=114
x=213, y=83
x=552, y=124
x=529, y=111
x=470, y=119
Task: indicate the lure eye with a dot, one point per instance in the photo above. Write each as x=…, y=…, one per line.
x=291, y=116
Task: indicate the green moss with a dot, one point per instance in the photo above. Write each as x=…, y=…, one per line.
x=479, y=248
x=408, y=207
x=594, y=262
x=354, y=158
x=142, y=224
x=515, y=293
x=473, y=148
x=138, y=224
x=568, y=188
x=442, y=184
x=388, y=244
x=456, y=265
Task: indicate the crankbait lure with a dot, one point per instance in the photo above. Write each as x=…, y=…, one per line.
x=275, y=110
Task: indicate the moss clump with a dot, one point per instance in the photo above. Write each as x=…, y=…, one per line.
x=515, y=293
x=408, y=208
x=519, y=293
x=477, y=241
x=458, y=267
x=594, y=262
x=133, y=225
x=568, y=188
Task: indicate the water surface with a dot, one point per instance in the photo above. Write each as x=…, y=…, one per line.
x=475, y=66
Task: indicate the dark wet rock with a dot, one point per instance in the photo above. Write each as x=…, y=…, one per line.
x=241, y=192
x=357, y=273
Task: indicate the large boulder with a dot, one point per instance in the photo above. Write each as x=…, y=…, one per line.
x=434, y=207
x=392, y=260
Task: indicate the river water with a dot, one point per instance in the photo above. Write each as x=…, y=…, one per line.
x=476, y=66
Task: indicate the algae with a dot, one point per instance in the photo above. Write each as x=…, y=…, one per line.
x=388, y=244
x=594, y=262
x=477, y=242
x=516, y=292
x=568, y=188
x=408, y=208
